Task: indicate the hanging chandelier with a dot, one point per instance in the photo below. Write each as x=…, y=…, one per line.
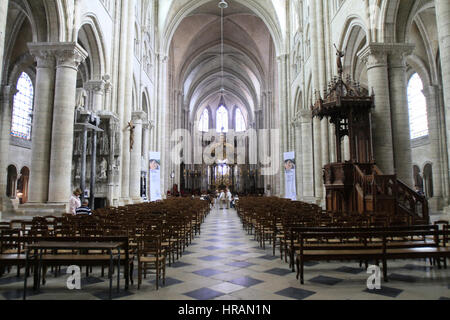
x=222, y=5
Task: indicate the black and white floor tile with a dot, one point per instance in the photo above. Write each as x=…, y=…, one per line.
x=225, y=263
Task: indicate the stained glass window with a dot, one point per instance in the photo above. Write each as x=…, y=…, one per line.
x=240, y=122
x=204, y=121
x=23, y=108
x=418, y=118
x=222, y=119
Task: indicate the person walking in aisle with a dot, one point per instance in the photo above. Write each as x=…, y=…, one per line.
x=229, y=198
x=222, y=199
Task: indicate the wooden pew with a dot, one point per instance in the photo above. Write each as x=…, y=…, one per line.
x=368, y=244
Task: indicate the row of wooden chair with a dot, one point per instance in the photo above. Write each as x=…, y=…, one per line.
x=156, y=232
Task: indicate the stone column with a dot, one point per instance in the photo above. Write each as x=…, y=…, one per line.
x=282, y=61
x=146, y=148
x=96, y=89
x=68, y=58
x=443, y=26
x=3, y=18
x=42, y=121
x=318, y=168
x=93, y=170
x=298, y=157
x=6, y=104
x=161, y=122
x=307, y=158
x=375, y=57
x=135, y=159
x=401, y=134
x=127, y=99
x=84, y=138
x=435, y=156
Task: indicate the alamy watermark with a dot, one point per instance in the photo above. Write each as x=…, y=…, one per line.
x=374, y=281
x=253, y=147
x=74, y=280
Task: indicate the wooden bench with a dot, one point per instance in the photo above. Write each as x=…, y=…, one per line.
x=292, y=245
x=372, y=245
x=67, y=251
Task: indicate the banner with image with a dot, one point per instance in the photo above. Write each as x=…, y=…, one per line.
x=155, y=176
x=289, y=171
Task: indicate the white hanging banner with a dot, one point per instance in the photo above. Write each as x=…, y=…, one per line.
x=289, y=171
x=155, y=176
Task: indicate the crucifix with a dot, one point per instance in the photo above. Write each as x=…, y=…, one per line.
x=340, y=55
x=131, y=126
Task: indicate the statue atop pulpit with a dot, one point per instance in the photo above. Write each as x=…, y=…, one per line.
x=339, y=54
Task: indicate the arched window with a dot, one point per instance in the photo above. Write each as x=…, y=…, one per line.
x=204, y=121
x=222, y=119
x=240, y=122
x=418, y=119
x=23, y=108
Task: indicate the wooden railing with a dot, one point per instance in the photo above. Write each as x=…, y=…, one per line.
x=388, y=193
x=413, y=203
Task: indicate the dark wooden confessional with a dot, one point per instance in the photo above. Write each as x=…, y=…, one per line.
x=358, y=185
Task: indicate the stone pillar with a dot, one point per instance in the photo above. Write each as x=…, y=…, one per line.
x=283, y=111
x=161, y=122
x=375, y=57
x=44, y=95
x=84, y=138
x=112, y=187
x=96, y=89
x=443, y=26
x=401, y=134
x=146, y=148
x=135, y=159
x=298, y=157
x=126, y=84
x=93, y=170
x=307, y=158
x=3, y=18
x=318, y=168
x=68, y=58
x=435, y=156
x=6, y=104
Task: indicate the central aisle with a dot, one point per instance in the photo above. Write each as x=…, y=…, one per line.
x=224, y=262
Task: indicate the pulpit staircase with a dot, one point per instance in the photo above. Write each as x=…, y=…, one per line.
x=376, y=192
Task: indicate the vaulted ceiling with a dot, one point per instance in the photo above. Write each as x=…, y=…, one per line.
x=197, y=60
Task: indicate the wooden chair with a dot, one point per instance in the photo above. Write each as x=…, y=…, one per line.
x=151, y=256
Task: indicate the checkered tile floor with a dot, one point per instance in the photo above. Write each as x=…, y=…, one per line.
x=225, y=263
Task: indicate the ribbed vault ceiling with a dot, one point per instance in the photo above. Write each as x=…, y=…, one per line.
x=196, y=54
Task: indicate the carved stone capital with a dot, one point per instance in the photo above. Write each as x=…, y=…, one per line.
x=399, y=53
x=377, y=54
x=43, y=53
x=374, y=55
x=96, y=86
x=69, y=55
x=138, y=116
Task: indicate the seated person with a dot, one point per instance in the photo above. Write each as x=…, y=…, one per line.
x=84, y=209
